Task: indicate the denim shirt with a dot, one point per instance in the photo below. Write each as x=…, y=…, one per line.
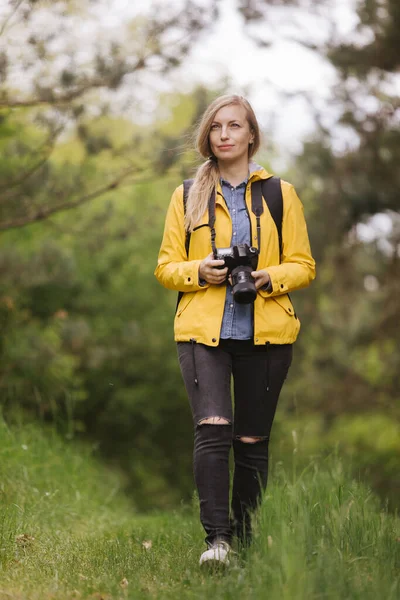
x=237, y=321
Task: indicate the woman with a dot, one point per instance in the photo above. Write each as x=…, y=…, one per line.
x=219, y=337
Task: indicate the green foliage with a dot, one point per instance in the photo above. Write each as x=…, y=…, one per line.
x=368, y=442
x=379, y=19
x=63, y=87
x=89, y=335
x=86, y=330
x=47, y=481
x=66, y=532
x=346, y=373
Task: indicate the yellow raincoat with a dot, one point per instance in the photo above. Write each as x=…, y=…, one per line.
x=200, y=311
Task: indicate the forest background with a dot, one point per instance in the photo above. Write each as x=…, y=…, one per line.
x=92, y=148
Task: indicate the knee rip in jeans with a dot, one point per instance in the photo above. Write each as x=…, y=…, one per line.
x=214, y=421
x=250, y=439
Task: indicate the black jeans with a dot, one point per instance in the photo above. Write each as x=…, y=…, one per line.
x=258, y=374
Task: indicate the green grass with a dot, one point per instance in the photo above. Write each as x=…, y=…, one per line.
x=66, y=531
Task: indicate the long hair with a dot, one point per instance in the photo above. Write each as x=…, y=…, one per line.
x=207, y=175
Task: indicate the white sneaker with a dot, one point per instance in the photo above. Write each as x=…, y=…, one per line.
x=216, y=556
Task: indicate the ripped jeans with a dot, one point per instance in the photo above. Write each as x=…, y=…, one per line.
x=258, y=374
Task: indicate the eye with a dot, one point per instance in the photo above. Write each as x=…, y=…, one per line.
x=214, y=126
x=236, y=125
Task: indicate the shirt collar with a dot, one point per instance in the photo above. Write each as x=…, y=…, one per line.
x=253, y=166
x=243, y=183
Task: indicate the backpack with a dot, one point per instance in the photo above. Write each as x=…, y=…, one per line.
x=269, y=189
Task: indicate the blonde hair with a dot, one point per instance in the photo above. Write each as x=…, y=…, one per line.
x=207, y=175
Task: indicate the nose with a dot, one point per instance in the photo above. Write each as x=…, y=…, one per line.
x=224, y=132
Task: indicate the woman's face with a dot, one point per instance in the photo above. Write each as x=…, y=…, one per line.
x=230, y=133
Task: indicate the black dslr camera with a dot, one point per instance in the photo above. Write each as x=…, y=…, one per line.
x=241, y=260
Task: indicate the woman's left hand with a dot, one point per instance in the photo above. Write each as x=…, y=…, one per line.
x=260, y=278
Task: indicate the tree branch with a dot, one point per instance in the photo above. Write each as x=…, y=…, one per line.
x=76, y=231
x=12, y=13
x=73, y=94
x=42, y=213
x=47, y=147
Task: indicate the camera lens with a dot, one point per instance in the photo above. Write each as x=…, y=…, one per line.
x=243, y=288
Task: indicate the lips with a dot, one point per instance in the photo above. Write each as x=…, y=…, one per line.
x=225, y=147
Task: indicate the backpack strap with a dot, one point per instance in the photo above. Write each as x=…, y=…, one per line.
x=187, y=184
x=211, y=220
x=270, y=189
x=257, y=206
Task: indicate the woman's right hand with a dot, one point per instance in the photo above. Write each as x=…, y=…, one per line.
x=209, y=272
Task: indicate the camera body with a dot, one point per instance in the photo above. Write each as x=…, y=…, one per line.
x=241, y=260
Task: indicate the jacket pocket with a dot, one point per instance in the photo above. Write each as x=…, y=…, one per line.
x=285, y=302
x=184, y=303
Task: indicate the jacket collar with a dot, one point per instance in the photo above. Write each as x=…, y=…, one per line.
x=256, y=171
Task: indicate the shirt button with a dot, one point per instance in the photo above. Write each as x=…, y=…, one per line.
x=234, y=233
x=234, y=210
x=231, y=305
x=214, y=340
